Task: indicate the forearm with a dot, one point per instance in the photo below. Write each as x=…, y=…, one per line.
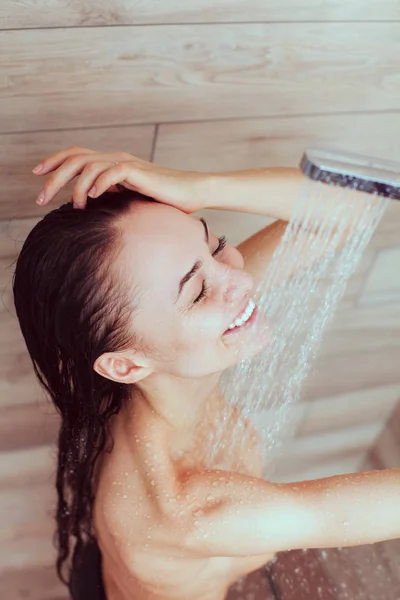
x=271, y=192
x=360, y=508
x=276, y=191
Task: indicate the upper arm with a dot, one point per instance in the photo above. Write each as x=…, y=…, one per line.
x=238, y=515
x=258, y=250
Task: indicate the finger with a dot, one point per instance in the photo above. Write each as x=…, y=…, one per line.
x=87, y=180
x=114, y=175
x=53, y=161
x=71, y=167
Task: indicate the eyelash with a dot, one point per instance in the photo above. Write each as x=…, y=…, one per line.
x=204, y=289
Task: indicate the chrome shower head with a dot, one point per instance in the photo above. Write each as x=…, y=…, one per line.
x=360, y=173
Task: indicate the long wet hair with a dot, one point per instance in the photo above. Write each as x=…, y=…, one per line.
x=73, y=305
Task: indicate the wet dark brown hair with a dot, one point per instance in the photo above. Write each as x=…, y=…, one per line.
x=73, y=305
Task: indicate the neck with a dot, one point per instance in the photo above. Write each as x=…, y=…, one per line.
x=180, y=403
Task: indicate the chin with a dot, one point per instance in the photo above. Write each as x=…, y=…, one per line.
x=250, y=341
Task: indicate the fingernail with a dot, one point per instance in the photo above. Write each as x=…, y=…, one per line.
x=38, y=168
x=92, y=192
x=40, y=198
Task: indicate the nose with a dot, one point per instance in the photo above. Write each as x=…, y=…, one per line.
x=240, y=284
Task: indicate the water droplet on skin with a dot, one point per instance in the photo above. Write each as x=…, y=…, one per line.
x=210, y=498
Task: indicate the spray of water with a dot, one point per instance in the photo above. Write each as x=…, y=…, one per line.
x=305, y=280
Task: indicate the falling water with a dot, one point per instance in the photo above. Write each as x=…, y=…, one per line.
x=306, y=278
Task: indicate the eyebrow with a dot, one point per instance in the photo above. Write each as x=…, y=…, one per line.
x=197, y=265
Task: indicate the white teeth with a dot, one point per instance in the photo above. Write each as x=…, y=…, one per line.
x=246, y=316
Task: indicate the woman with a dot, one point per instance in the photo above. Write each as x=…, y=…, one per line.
x=125, y=307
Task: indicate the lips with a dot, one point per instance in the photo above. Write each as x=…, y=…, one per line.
x=232, y=333
x=239, y=314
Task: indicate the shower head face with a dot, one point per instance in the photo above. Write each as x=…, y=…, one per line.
x=352, y=171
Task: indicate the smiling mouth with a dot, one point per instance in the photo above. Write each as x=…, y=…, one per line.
x=243, y=323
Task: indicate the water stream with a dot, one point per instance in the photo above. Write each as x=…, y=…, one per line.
x=303, y=285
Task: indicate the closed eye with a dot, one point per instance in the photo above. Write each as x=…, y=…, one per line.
x=204, y=288
x=221, y=245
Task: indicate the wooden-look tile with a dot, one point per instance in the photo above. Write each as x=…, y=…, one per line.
x=317, y=452
x=355, y=330
x=24, y=389
x=19, y=153
x=18, y=384
x=345, y=371
x=279, y=140
x=27, y=525
x=362, y=407
x=27, y=425
x=382, y=285
x=23, y=467
x=330, y=445
x=13, y=233
x=386, y=452
x=195, y=11
x=394, y=423
x=32, y=583
x=155, y=74
x=35, y=550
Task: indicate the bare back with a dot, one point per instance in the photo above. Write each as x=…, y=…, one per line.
x=143, y=554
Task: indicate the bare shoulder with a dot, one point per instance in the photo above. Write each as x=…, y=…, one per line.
x=129, y=513
x=114, y=505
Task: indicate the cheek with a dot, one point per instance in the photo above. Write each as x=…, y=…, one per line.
x=196, y=333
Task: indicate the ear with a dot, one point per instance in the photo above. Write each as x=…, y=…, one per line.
x=122, y=368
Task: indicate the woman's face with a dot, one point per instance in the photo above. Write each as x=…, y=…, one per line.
x=184, y=318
